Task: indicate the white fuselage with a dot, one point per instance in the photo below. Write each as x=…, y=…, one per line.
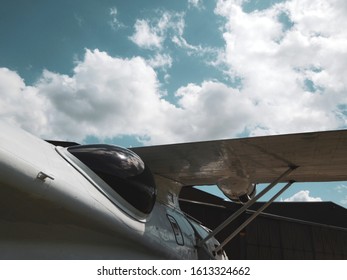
x=50, y=210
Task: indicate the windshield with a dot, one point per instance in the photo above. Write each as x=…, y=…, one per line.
x=123, y=170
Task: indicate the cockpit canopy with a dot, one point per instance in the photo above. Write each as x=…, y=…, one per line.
x=122, y=170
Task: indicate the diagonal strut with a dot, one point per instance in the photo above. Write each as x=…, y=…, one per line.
x=254, y=215
x=245, y=206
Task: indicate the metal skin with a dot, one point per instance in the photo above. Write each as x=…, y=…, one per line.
x=237, y=165
x=50, y=210
x=53, y=207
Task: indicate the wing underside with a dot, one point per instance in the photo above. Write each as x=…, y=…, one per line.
x=318, y=156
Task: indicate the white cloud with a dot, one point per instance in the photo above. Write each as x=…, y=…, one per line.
x=181, y=42
x=302, y=196
x=115, y=23
x=212, y=110
x=108, y=97
x=18, y=102
x=341, y=188
x=197, y=50
x=342, y=191
x=276, y=62
x=145, y=36
x=196, y=4
x=160, y=61
x=168, y=27
x=151, y=33
x=104, y=97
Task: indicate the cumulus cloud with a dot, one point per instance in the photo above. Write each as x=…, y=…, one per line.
x=20, y=104
x=293, y=70
x=292, y=78
x=104, y=97
x=302, y=196
x=213, y=110
x=107, y=97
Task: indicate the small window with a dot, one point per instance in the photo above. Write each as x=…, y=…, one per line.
x=177, y=230
x=122, y=170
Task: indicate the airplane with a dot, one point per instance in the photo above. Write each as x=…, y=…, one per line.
x=62, y=200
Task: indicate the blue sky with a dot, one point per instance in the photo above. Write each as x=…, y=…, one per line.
x=153, y=72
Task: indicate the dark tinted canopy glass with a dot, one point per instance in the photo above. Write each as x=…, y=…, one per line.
x=122, y=170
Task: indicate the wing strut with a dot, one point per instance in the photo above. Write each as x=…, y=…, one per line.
x=245, y=207
x=256, y=214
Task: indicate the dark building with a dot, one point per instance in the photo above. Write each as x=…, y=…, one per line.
x=287, y=230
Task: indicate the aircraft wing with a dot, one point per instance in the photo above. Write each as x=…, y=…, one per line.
x=318, y=156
